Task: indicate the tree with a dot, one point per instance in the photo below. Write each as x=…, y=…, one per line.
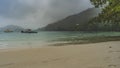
x=110, y=13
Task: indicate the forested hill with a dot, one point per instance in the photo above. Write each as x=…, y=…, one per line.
x=109, y=19
x=74, y=22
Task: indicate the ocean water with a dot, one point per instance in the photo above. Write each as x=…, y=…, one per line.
x=43, y=38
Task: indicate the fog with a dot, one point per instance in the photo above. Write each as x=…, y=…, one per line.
x=38, y=13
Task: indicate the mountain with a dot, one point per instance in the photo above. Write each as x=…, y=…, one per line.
x=12, y=28
x=73, y=22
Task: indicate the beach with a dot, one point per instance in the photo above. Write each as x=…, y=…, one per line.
x=94, y=55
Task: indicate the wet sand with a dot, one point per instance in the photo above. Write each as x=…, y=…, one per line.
x=97, y=55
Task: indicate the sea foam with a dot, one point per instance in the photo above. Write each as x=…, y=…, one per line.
x=3, y=45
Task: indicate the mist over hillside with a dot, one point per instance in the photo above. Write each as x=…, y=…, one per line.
x=74, y=22
x=11, y=28
x=38, y=13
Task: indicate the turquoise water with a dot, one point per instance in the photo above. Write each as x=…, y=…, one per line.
x=11, y=40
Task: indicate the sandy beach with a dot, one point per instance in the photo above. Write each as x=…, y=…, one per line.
x=96, y=55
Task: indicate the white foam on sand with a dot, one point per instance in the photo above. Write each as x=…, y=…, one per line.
x=3, y=45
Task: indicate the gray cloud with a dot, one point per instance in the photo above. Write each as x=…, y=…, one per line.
x=38, y=13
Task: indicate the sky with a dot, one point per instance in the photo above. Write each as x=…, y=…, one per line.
x=38, y=13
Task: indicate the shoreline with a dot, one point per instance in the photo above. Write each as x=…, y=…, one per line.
x=97, y=55
x=65, y=44
x=89, y=40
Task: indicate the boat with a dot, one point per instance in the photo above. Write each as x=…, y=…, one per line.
x=8, y=31
x=28, y=31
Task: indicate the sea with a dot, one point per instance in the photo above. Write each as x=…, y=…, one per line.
x=45, y=38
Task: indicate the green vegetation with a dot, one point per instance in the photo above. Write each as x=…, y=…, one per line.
x=105, y=17
x=77, y=22
x=109, y=18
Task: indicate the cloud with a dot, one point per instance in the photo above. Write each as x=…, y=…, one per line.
x=38, y=13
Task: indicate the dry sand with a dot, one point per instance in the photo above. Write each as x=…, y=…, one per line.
x=97, y=55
